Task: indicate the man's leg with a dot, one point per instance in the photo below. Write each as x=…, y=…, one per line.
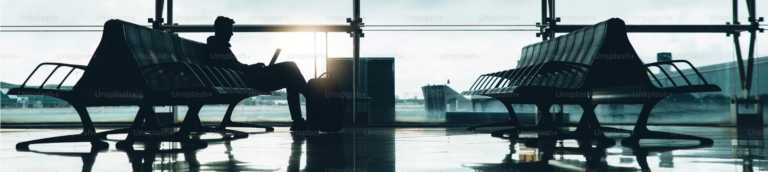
x=293, y=82
x=286, y=75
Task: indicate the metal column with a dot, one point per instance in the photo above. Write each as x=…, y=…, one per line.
x=356, y=32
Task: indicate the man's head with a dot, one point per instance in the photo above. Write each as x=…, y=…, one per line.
x=223, y=27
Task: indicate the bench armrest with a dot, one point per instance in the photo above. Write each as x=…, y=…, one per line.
x=672, y=63
x=64, y=64
x=74, y=66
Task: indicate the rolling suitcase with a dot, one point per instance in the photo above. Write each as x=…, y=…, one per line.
x=325, y=104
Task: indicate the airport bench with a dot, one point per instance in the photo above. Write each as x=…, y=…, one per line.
x=591, y=66
x=139, y=66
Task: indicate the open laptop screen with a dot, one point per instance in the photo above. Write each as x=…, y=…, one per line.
x=274, y=58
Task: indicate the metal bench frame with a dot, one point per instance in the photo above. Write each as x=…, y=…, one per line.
x=552, y=67
x=145, y=86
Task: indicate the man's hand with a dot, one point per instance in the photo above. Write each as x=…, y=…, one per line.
x=258, y=65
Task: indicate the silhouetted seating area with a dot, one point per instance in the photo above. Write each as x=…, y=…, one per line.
x=591, y=66
x=138, y=66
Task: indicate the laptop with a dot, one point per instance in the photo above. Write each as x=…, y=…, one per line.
x=274, y=58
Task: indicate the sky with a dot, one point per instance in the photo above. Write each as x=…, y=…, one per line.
x=421, y=58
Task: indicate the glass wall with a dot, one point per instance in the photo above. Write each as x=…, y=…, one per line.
x=427, y=64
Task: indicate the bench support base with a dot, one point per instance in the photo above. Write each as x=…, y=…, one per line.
x=146, y=128
x=96, y=143
x=88, y=134
x=641, y=130
x=227, y=121
x=589, y=129
x=190, y=126
x=545, y=127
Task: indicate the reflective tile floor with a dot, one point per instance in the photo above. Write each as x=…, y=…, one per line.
x=390, y=149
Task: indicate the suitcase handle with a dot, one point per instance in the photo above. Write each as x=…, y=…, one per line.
x=324, y=73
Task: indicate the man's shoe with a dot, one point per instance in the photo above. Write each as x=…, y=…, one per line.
x=299, y=125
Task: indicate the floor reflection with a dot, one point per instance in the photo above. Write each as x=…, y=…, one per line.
x=396, y=149
x=88, y=158
x=155, y=156
x=324, y=152
x=740, y=147
x=748, y=145
x=553, y=158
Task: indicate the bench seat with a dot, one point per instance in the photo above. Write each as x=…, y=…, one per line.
x=139, y=66
x=591, y=66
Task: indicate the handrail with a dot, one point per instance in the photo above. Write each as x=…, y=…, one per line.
x=65, y=78
x=666, y=74
x=82, y=67
x=681, y=74
x=475, y=83
x=49, y=76
x=481, y=83
x=676, y=61
x=504, y=77
x=492, y=78
x=654, y=77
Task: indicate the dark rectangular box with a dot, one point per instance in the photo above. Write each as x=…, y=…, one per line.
x=376, y=80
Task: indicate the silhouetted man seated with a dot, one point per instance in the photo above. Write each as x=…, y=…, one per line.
x=264, y=78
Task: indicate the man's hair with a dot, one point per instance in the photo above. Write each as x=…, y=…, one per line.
x=223, y=24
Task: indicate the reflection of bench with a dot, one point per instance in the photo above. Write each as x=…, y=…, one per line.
x=594, y=156
x=136, y=65
x=591, y=66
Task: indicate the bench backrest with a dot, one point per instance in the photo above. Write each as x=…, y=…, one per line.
x=126, y=47
x=604, y=47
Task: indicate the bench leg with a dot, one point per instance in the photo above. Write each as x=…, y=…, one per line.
x=641, y=130
x=546, y=130
x=192, y=123
x=642, y=160
x=513, y=120
x=589, y=128
x=192, y=119
x=227, y=121
x=136, y=125
x=88, y=134
x=151, y=132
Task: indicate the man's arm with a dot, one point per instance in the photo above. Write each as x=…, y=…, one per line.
x=221, y=56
